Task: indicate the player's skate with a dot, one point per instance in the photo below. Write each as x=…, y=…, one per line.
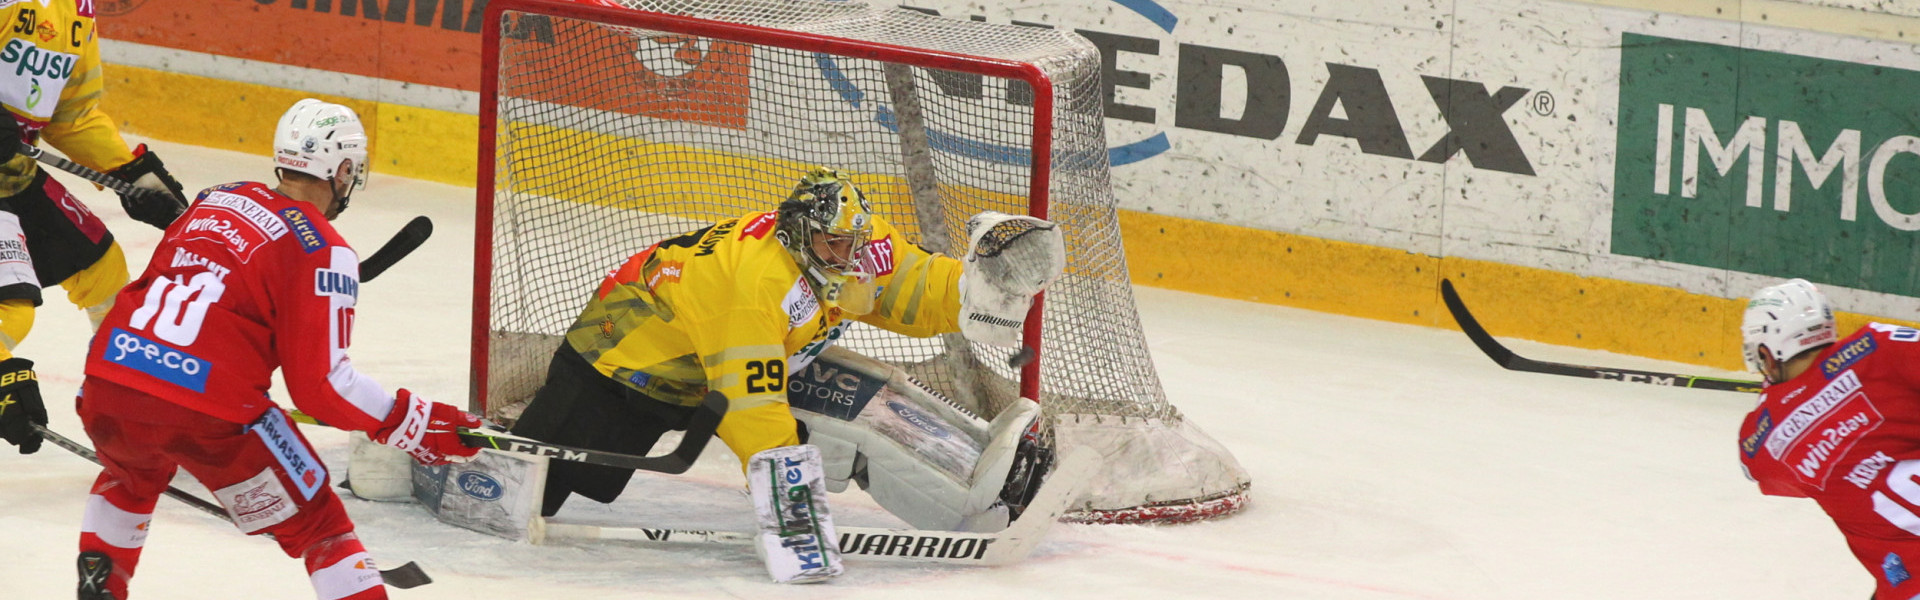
x=95, y=569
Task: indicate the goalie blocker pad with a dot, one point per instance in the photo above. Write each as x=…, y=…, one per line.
x=924, y=460
x=1009, y=259
x=796, y=537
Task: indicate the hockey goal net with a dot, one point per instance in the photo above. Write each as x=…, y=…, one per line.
x=607, y=125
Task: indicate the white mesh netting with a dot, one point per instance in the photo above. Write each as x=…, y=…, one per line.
x=614, y=128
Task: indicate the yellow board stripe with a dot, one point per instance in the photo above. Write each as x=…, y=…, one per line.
x=1166, y=252
x=1404, y=287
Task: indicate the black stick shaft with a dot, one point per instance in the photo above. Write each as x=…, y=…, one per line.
x=174, y=492
x=699, y=429
x=1514, y=362
x=111, y=182
x=404, y=576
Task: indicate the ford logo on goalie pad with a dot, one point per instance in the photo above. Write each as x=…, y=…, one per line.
x=479, y=485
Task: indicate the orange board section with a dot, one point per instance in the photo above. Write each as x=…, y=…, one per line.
x=430, y=42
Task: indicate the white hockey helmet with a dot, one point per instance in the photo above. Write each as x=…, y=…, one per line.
x=316, y=137
x=1786, y=320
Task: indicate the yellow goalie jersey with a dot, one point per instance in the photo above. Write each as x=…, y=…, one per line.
x=50, y=82
x=727, y=307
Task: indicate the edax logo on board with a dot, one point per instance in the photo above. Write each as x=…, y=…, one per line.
x=1768, y=163
x=1355, y=102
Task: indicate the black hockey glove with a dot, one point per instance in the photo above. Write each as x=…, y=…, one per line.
x=10, y=138
x=20, y=407
x=157, y=199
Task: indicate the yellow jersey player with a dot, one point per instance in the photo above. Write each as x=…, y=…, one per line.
x=50, y=87
x=745, y=305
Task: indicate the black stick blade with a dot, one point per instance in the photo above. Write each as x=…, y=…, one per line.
x=403, y=243
x=406, y=577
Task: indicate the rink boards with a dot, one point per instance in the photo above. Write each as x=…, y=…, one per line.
x=1591, y=175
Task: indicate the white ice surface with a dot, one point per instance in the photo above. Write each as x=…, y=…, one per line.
x=1388, y=461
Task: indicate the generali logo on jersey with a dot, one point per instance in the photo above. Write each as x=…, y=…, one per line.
x=235, y=220
x=1817, y=433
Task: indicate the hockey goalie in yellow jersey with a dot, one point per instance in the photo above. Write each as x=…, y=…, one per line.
x=742, y=306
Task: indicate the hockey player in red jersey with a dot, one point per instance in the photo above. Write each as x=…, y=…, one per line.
x=1839, y=422
x=249, y=280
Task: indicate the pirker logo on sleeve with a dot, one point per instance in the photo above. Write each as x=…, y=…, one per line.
x=1844, y=358
x=310, y=238
x=1768, y=163
x=1761, y=427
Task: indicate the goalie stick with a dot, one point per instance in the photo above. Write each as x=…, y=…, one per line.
x=1514, y=362
x=1063, y=486
x=407, y=576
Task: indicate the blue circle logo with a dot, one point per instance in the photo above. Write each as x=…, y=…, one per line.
x=479, y=485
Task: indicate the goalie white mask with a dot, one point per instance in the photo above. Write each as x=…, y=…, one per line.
x=319, y=138
x=1785, y=320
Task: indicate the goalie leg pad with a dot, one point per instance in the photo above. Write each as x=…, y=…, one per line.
x=890, y=449
x=1009, y=259
x=925, y=461
x=796, y=539
x=377, y=471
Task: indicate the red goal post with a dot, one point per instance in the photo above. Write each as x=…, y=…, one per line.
x=606, y=128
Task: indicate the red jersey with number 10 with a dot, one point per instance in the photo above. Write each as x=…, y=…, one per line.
x=246, y=281
x=1846, y=433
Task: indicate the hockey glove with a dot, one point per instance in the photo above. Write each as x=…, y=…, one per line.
x=20, y=407
x=157, y=199
x=10, y=138
x=429, y=431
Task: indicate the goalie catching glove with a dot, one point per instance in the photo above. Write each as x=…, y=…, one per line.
x=427, y=431
x=157, y=198
x=1009, y=259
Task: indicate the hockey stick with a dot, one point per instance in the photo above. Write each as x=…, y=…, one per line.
x=403, y=243
x=116, y=184
x=699, y=429
x=1011, y=545
x=87, y=453
x=407, y=576
x=108, y=181
x=399, y=246
x=1514, y=362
